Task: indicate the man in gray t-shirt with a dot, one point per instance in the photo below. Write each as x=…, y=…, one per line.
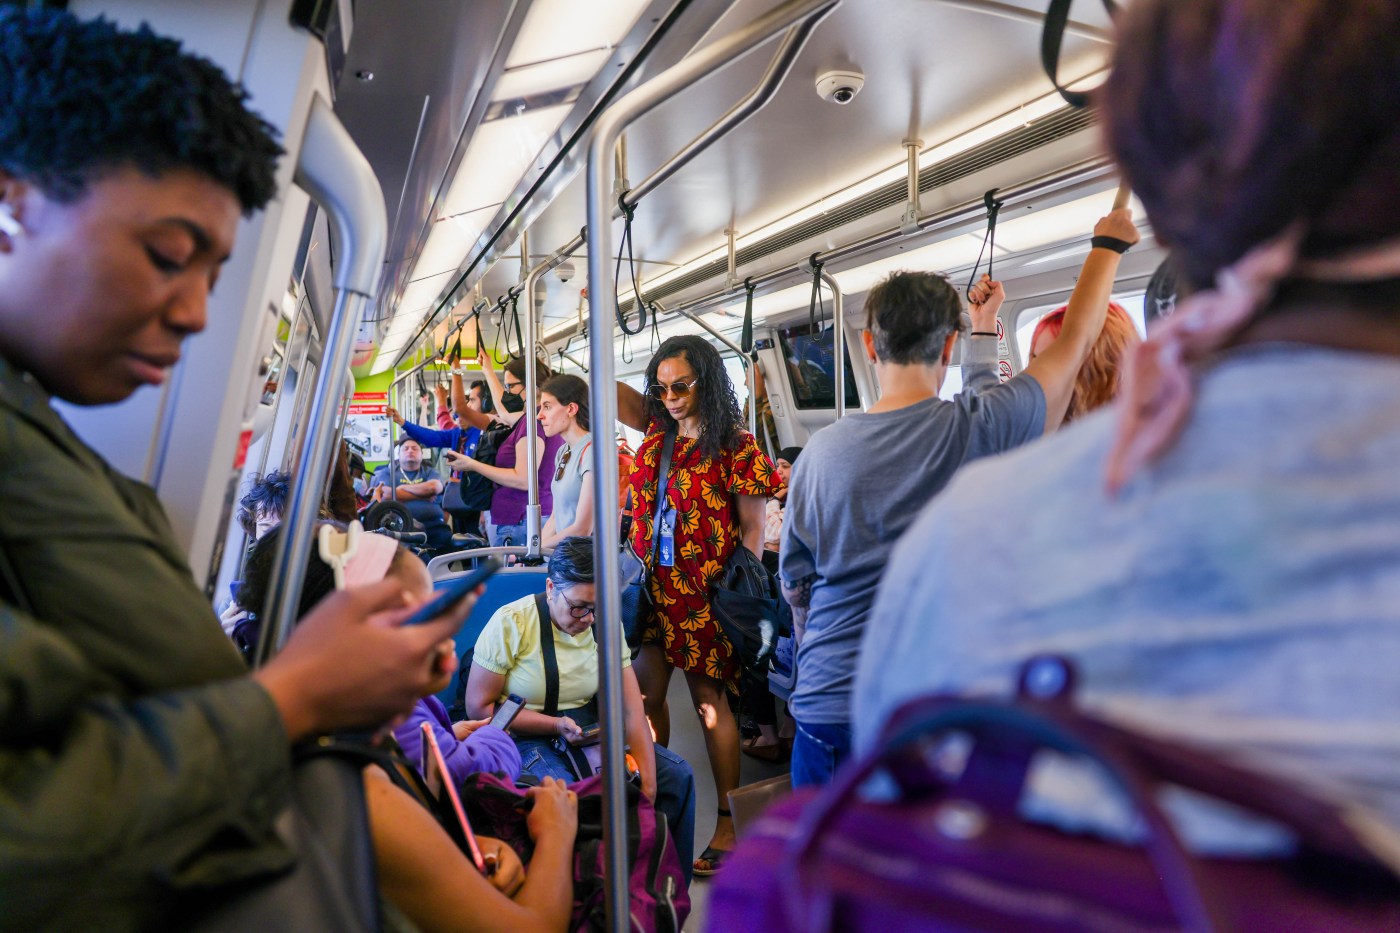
x=863, y=480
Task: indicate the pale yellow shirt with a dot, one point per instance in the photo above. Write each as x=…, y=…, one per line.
x=510, y=646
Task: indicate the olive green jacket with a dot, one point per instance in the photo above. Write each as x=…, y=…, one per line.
x=138, y=762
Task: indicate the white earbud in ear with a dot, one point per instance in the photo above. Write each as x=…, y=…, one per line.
x=8, y=224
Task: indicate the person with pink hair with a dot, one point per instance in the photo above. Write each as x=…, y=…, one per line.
x=1102, y=373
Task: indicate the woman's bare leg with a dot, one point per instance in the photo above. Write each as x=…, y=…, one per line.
x=722, y=744
x=654, y=677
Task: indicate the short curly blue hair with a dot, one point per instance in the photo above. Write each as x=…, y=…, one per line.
x=81, y=97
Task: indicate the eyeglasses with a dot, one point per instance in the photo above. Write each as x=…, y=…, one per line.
x=563, y=462
x=577, y=610
x=678, y=389
x=514, y=388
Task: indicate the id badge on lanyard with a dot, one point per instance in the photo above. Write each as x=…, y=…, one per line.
x=666, y=545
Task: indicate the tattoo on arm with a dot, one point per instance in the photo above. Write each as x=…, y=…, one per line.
x=798, y=593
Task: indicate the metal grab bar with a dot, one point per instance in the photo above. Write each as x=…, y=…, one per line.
x=763, y=92
x=604, y=403
x=337, y=176
x=838, y=341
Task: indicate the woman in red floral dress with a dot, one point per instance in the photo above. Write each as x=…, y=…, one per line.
x=718, y=485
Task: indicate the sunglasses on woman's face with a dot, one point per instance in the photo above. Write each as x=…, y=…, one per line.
x=678, y=389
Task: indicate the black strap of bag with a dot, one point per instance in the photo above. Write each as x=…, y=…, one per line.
x=551, y=661
x=663, y=480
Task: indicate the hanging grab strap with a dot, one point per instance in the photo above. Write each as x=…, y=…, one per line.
x=515, y=319
x=1056, y=19
x=746, y=334
x=628, y=213
x=816, y=312
x=989, y=240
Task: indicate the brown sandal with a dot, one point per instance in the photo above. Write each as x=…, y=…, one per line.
x=773, y=753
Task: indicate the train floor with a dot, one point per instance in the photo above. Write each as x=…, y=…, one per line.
x=688, y=741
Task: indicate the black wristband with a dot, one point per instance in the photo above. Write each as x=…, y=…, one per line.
x=1110, y=242
x=983, y=333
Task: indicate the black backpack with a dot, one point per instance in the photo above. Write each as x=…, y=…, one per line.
x=477, y=489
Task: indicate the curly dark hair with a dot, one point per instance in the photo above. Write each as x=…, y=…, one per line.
x=80, y=98
x=267, y=495
x=721, y=423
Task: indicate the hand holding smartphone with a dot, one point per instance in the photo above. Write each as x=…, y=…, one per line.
x=454, y=592
x=506, y=712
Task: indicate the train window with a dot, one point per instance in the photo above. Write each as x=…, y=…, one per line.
x=812, y=369
x=1028, y=319
x=952, y=384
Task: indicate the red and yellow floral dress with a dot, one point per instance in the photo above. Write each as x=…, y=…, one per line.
x=702, y=492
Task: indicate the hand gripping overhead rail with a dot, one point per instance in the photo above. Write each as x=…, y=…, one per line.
x=763, y=92
x=336, y=175
x=604, y=401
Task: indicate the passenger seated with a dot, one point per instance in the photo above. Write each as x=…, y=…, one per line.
x=1219, y=553
x=421, y=871
x=1102, y=373
x=882, y=465
x=141, y=766
x=453, y=438
x=417, y=486
x=508, y=659
x=467, y=748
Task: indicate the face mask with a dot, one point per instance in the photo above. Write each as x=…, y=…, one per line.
x=512, y=402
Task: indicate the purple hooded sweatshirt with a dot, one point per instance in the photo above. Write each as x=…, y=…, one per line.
x=486, y=749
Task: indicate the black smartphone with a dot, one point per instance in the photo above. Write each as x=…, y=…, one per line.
x=506, y=712
x=454, y=592
x=591, y=736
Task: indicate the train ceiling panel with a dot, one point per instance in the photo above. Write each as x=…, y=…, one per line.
x=934, y=70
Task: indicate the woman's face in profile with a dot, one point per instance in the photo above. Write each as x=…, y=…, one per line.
x=97, y=295
x=571, y=607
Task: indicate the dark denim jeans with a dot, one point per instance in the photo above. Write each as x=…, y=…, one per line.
x=817, y=751
x=675, y=781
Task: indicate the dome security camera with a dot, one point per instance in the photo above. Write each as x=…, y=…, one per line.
x=839, y=87
x=564, y=271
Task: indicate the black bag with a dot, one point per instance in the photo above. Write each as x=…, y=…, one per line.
x=750, y=610
x=632, y=570
x=476, y=490
x=333, y=886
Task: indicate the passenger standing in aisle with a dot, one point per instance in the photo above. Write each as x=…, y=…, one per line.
x=509, y=471
x=718, y=482
x=564, y=414
x=1219, y=552
x=832, y=559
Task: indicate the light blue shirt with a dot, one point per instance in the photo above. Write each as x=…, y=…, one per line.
x=1242, y=594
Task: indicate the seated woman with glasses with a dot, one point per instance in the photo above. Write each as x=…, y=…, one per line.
x=564, y=414
x=513, y=657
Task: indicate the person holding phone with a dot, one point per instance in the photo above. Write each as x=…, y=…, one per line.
x=138, y=756
x=511, y=658
x=467, y=747
x=421, y=871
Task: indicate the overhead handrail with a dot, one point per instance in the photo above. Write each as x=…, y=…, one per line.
x=337, y=176
x=1079, y=174
x=610, y=125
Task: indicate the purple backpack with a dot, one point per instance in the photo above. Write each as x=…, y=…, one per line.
x=949, y=852
x=658, y=895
